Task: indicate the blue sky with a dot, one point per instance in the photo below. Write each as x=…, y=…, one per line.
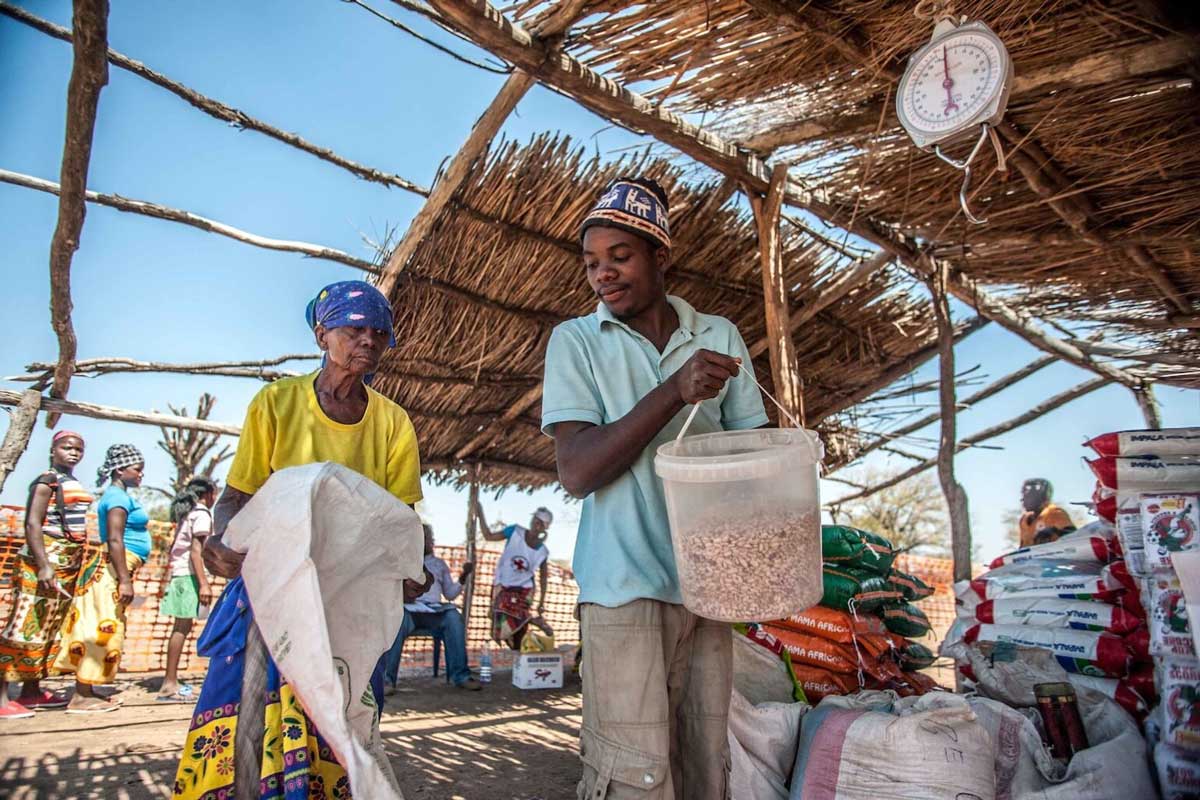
x=155, y=290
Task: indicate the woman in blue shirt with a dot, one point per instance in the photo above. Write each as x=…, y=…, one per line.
x=94, y=631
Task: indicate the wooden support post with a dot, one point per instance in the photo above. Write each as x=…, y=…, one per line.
x=1149, y=406
x=20, y=428
x=956, y=496
x=784, y=368
x=472, y=529
x=456, y=173
x=89, y=74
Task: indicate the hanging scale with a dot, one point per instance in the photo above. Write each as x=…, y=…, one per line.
x=955, y=88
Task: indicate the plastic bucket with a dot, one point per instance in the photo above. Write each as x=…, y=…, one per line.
x=745, y=516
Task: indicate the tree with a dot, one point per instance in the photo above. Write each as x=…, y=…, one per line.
x=912, y=514
x=188, y=449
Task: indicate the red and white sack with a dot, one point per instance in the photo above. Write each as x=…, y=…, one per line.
x=1093, y=549
x=1053, y=612
x=1170, y=524
x=1161, y=443
x=1179, y=693
x=1085, y=652
x=1117, y=690
x=1178, y=773
x=1175, y=474
x=1062, y=579
x=1170, y=629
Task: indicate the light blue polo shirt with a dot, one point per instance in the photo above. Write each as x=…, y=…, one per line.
x=597, y=369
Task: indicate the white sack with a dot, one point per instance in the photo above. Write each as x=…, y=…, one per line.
x=327, y=551
x=762, y=747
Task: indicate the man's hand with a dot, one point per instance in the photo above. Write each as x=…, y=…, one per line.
x=703, y=375
x=206, y=595
x=413, y=590
x=221, y=560
x=467, y=569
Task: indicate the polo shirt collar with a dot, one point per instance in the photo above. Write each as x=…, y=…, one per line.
x=689, y=320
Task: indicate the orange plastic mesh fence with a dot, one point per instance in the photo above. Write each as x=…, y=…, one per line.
x=147, y=631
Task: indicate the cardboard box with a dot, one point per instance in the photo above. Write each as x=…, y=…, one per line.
x=538, y=671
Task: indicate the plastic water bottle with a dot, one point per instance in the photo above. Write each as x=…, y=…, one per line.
x=485, y=664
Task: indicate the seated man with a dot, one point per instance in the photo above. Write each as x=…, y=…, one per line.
x=1040, y=516
x=428, y=613
x=524, y=556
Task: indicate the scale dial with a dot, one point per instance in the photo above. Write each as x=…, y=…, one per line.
x=954, y=83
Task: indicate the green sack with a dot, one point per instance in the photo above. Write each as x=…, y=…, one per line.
x=912, y=587
x=849, y=588
x=914, y=656
x=842, y=544
x=906, y=619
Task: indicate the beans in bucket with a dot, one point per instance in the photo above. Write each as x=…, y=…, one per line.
x=745, y=516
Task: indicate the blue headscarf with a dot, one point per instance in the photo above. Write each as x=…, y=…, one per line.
x=354, y=304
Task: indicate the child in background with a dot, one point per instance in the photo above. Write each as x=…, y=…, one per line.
x=189, y=588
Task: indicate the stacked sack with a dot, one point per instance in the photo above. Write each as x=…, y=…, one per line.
x=1149, y=483
x=1074, y=598
x=861, y=634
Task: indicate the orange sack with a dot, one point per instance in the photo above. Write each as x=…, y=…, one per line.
x=815, y=651
x=821, y=683
x=833, y=624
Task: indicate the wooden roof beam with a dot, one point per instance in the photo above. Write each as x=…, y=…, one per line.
x=146, y=208
x=89, y=74
x=1037, y=411
x=52, y=405
x=1074, y=208
x=1133, y=61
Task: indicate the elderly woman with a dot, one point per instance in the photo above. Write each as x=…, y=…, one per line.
x=249, y=736
x=45, y=574
x=94, y=632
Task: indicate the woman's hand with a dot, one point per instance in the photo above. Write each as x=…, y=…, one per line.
x=206, y=595
x=47, y=580
x=125, y=592
x=221, y=560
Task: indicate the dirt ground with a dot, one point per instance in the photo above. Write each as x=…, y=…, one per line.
x=445, y=744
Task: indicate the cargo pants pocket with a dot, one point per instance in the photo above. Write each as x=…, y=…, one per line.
x=612, y=770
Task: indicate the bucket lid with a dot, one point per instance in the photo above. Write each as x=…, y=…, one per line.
x=738, y=455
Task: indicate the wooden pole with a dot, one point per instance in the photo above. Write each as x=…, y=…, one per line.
x=1149, y=406
x=472, y=529
x=56, y=406
x=784, y=368
x=89, y=74
x=956, y=496
x=20, y=428
x=455, y=175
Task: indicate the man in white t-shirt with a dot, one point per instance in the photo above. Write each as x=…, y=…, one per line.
x=429, y=613
x=522, y=568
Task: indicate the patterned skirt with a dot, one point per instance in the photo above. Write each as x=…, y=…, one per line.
x=94, y=631
x=297, y=764
x=29, y=641
x=512, y=608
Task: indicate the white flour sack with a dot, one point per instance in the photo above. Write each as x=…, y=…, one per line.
x=1174, y=474
x=1085, y=652
x=1170, y=524
x=1063, y=579
x=1179, y=681
x=1170, y=628
x=1161, y=443
x=1053, y=612
x=1073, y=547
x=872, y=746
x=1178, y=773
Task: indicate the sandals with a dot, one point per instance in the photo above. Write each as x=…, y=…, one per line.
x=94, y=705
x=176, y=697
x=15, y=710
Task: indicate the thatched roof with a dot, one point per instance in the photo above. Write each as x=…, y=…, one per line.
x=529, y=272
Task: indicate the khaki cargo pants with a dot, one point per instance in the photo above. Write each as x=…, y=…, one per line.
x=656, y=684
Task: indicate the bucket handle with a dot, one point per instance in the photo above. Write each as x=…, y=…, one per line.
x=749, y=372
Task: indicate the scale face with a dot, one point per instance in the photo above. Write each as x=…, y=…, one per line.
x=958, y=81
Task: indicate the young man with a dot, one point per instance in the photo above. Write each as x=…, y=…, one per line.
x=656, y=678
x=429, y=613
x=524, y=556
x=1039, y=515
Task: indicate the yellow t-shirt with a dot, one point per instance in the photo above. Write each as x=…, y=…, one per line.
x=285, y=427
